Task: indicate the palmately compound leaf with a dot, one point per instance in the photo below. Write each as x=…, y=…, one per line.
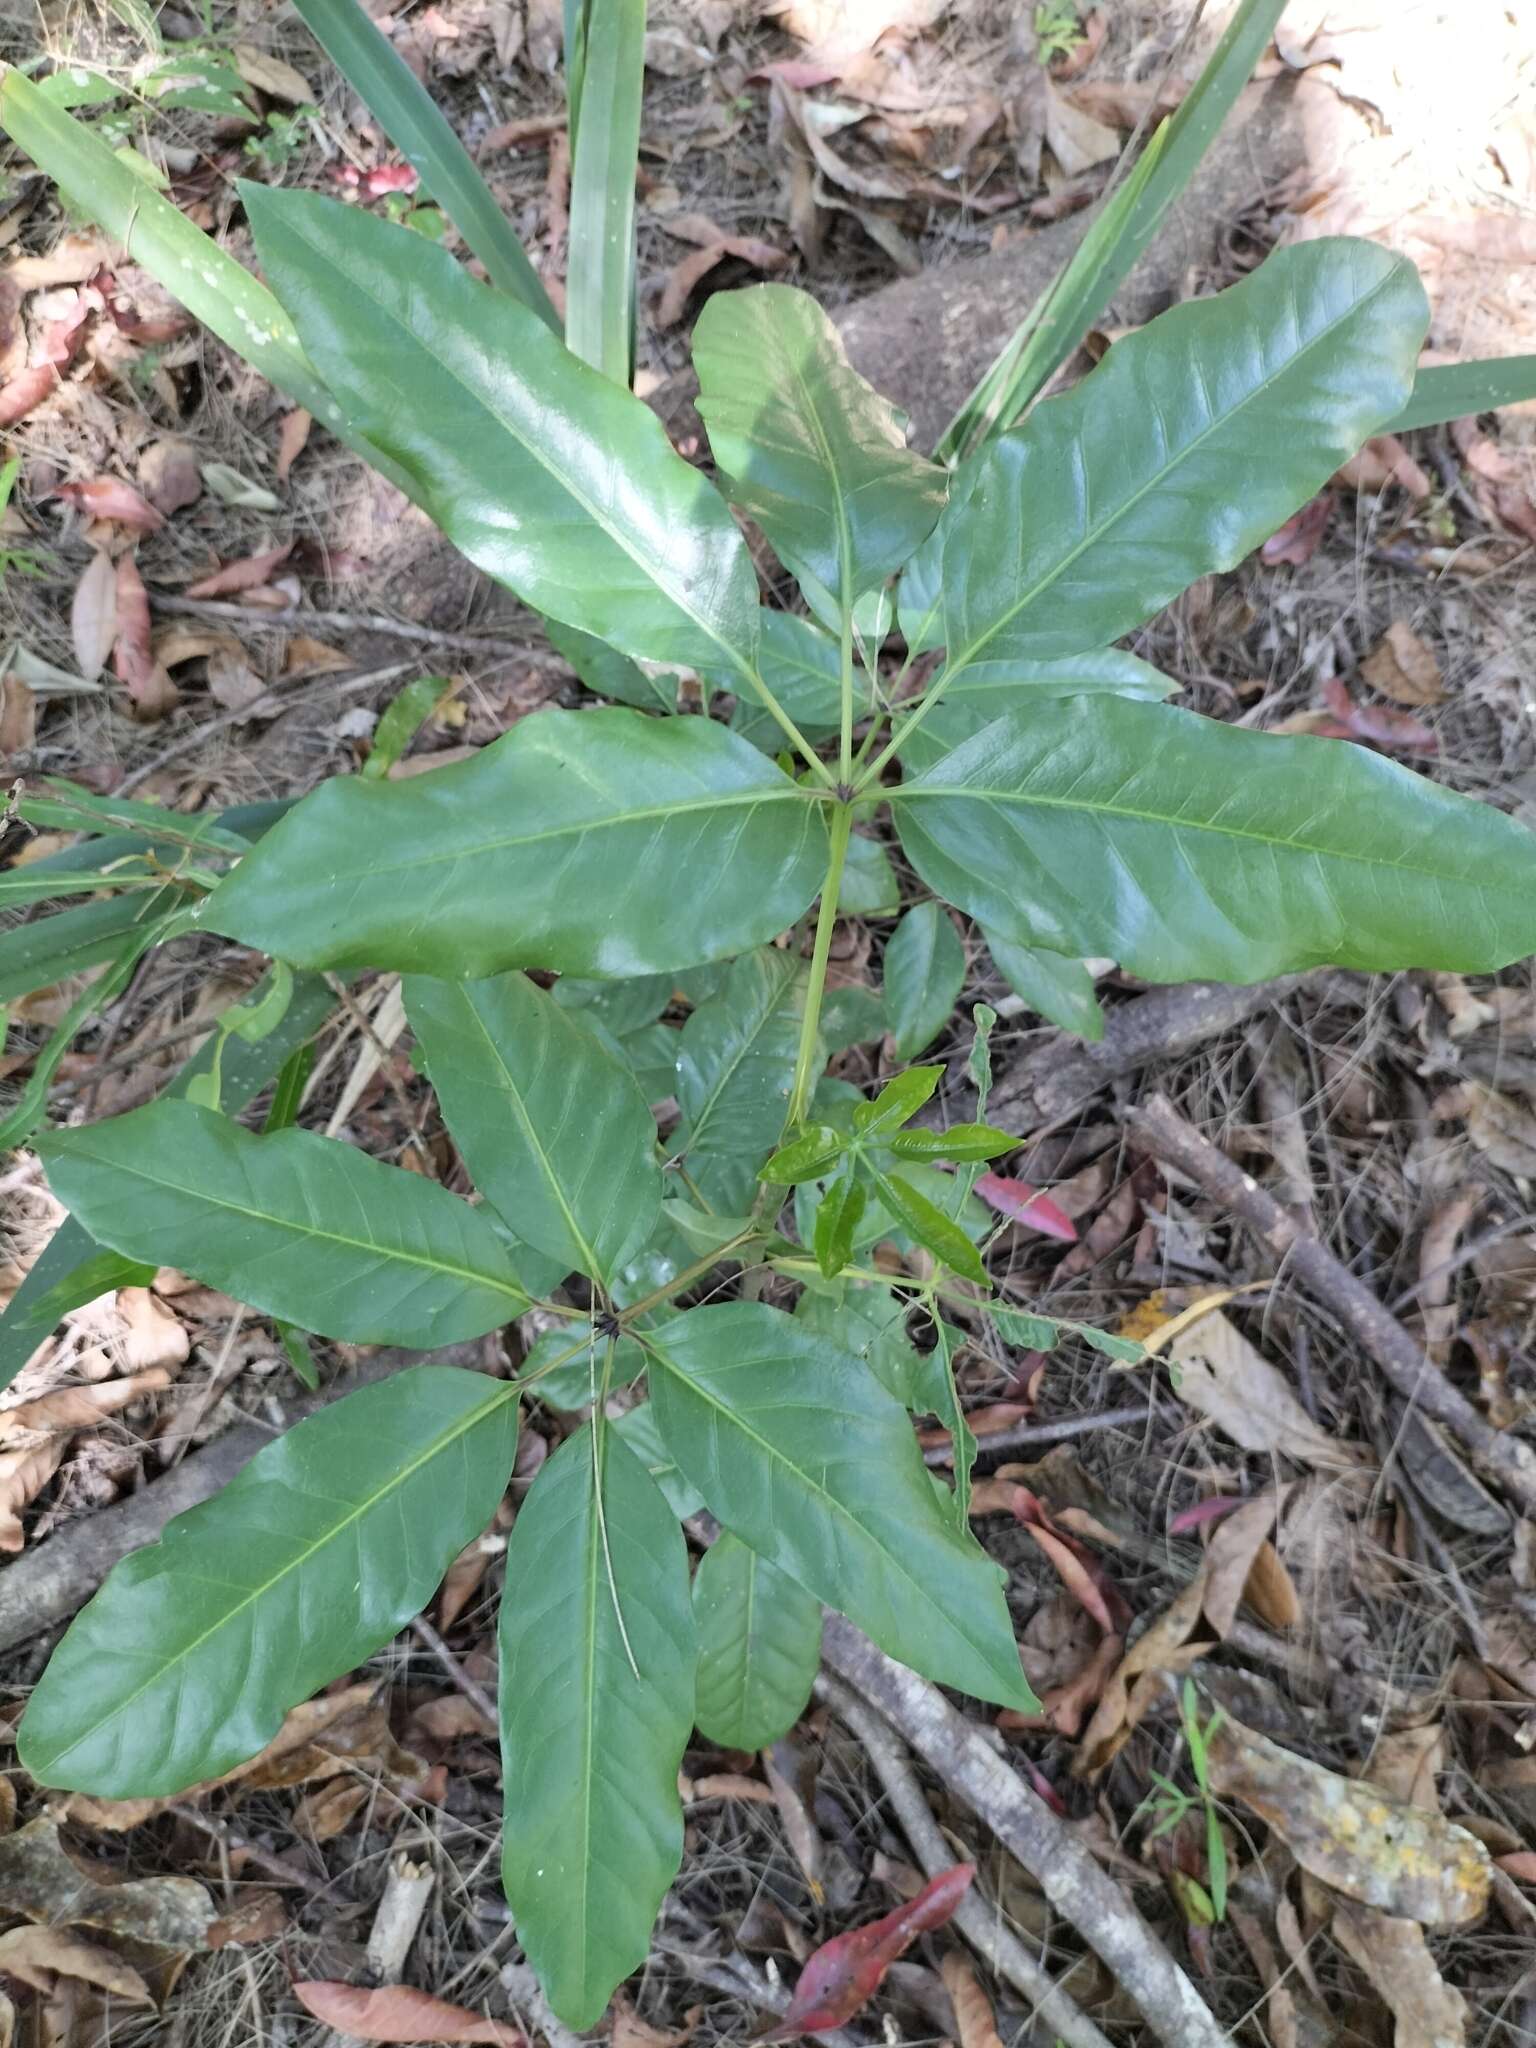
x=298, y=1226
x=800, y=1453
x=735, y=1064
x=321, y=1549
x=1187, y=849
x=598, y=1654
x=759, y=1646
x=1193, y=440
x=549, y=477
x=924, y=970
x=816, y=455
x=554, y=1131
x=593, y=842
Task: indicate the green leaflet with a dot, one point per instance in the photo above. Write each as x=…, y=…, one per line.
x=590, y=1749
x=316, y=1553
x=549, y=477
x=801, y=665
x=869, y=1323
x=1193, y=440
x=637, y=1426
x=299, y=1226
x=759, y=1647
x=799, y=1452
x=611, y=674
x=1187, y=849
x=49, y=949
x=1055, y=986
x=924, y=969
x=554, y=1132
x=1452, y=391
x=928, y=1223
x=559, y=846
x=735, y=1063
x=816, y=455
x=975, y=695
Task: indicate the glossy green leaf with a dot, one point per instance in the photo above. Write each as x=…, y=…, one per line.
x=735, y=1063
x=854, y=1015
x=611, y=674
x=870, y=1324
x=801, y=665
x=924, y=969
x=869, y=886
x=837, y=1220
x=403, y=717
x=987, y=689
x=805, y=1158
x=946, y=1405
x=567, y=1363
x=409, y=116
x=1109, y=501
x=1455, y=391
x=598, y=1653
x=299, y=1226
x=1188, y=849
x=192, y=266
x=637, y=1426
x=563, y=845
x=600, y=260
x=802, y=1455
x=759, y=1647
x=901, y=1097
x=1056, y=987
x=959, y=1141
x=928, y=1223
x=554, y=1132
x=24, y=1115
x=1028, y=1332
x=547, y=476
x=321, y=1549
x=816, y=455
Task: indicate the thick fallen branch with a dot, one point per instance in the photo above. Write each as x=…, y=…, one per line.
x=48, y=1583
x=1158, y=1127
x=1081, y=1892
x=976, y=1918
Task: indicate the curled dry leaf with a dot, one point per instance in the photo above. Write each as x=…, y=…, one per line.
x=845, y=1971
x=93, y=615
x=1381, y=461
x=269, y=74
x=23, y=1475
x=684, y=275
x=56, y=350
x=1223, y=1377
x=150, y=689
x=975, y=2021
x=1397, y=732
x=18, y=717
x=108, y=497
x=152, y=1336
x=40, y=1881
x=1380, y=1851
x=37, y=1955
x=245, y=574
x=71, y=1408
x=1395, y=1956
x=394, y=2012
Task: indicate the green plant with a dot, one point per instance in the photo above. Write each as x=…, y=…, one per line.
x=1058, y=30
x=15, y=561
x=651, y=860
x=1169, y=1806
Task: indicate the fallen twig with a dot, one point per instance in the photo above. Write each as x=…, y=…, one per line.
x=1025, y=1435
x=975, y=1917
x=1160, y=1129
x=1081, y=1892
x=301, y=616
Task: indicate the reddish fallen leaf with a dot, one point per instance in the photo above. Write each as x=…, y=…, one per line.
x=845, y=1971
x=1297, y=540
x=56, y=351
x=93, y=615
x=684, y=275
x=170, y=476
x=1399, y=732
x=1017, y=1200
x=164, y=324
x=107, y=497
x=800, y=73
x=147, y=682
x=1203, y=1512
x=1074, y=1564
x=246, y=574
x=1044, y=1789
x=394, y=2012
x=1519, y=1864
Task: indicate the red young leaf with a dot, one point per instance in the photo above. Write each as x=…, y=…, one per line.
x=1026, y=1205
x=394, y=2012
x=848, y=1969
x=1212, y=1509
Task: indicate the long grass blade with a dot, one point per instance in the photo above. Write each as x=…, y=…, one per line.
x=600, y=273
x=413, y=121
x=1454, y=391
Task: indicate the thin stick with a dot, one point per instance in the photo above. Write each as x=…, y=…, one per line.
x=251, y=617
x=976, y=1918
x=1158, y=1127
x=1024, y=1435
x=471, y=1688
x=1085, y=1895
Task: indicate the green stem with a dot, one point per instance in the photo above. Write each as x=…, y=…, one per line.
x=845, y=743
x=826, y=918
x=687, y=1276
x=787, y=725
x=903, y=731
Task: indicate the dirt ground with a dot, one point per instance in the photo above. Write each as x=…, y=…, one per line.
x=1388, y=1630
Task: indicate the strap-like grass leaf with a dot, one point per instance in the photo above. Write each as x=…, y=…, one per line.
x=549, y=477
x=924, y=970
x=1193, y=440
x=554, y=1132
x=299, y=1226
x=319, y=1551
x=799, y=1451
x=814, y=453
x=1453, y=391
x=49, y=949
x=759, y=1646
x=597, y=843
x=598, y=1653
x=1186, y=849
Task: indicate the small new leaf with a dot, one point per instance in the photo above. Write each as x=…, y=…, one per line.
x=807, y=1157
x=897, y=1101
x=930, y=1226
x=959, y=1142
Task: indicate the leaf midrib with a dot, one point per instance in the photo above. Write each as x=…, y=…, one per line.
x=1186, y=450
x=397, y=1478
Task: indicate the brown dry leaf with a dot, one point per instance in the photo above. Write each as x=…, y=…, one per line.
x=330, y=1809
x=1403, y=667
x=1223, y=1377
x=170, y=476
x=448, y=1718
x=292, y=437
x=108, y=497
x=74, y=259
x=93, y=616
x=723, y=1785
x=71, y=1408
x=23, y=1475
x=1501, y=1127
x=684, y=275
x=307, y=656
x=40, y=1881
x=790, y=1770
x=836, y=31
x=1394, y=1955
x=18, y=717
x=150, y=689
x=1297, y=541
x=152, y=1335
x=1381, y=461
x=37, y=1955
x=395, y=2012
x=259, y=1915
x=246, y=574
x=279, y=81
x=1406, y=1765
x=1464, y=1007
x=1352, y=1836
x=232, y=681
x=630, y=2031
x=975, y=2021
x=1077, y=140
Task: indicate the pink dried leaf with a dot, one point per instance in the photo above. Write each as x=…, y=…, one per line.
x=1024, y=1204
